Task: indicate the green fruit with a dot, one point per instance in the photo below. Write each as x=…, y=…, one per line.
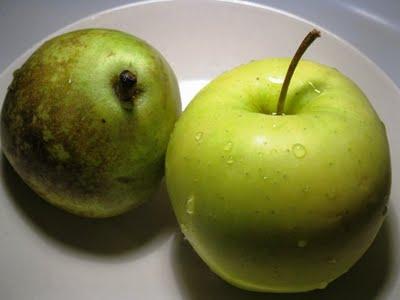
x=279, y=203
x=87, y=118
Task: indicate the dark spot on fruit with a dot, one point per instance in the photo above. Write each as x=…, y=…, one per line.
x=125, y=179
x=384, y=211
x=103, y=120
x=346, y=227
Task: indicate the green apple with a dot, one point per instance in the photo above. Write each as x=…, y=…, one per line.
x=281, y=202
x=87, y=119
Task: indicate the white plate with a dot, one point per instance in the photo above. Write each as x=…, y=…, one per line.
x=48, y=254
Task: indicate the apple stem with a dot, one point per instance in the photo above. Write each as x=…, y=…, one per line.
x=126, y=86
x=311, y=36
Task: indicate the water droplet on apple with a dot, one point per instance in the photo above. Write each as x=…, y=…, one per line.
x=190, y=205
x=299, y=150
x=230, y=160
x=314, y=87
x=265, y=177
x=198, y=136
x=331, y=195
x=302, y=243
x=332, y=261
x=274, y=125
x=323, y=285
x=276, y=80
x=69, y=81
x=228, y=146
x=276, y=271
x=274, y=151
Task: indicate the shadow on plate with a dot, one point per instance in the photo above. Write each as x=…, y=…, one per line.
x=113, y=236
x=364, y=281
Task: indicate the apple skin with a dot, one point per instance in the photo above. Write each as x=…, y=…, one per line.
x=279, y=203
x=71, y=139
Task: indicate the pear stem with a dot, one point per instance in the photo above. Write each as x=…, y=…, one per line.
x=311, y=36
x=126, y=87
